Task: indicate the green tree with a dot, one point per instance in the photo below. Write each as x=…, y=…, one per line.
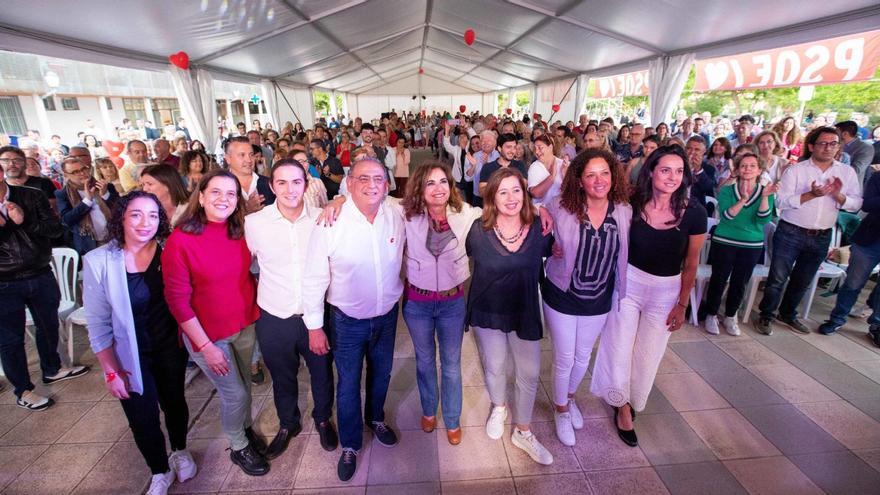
x=322, y=102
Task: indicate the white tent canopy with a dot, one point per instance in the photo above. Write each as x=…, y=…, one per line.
x=378, y=47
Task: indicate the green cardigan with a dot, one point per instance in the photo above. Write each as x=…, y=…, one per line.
x=747, y=228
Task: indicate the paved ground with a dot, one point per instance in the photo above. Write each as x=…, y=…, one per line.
x=786, y=414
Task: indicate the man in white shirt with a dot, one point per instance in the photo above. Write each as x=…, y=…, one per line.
x=811, y=193
x=356, y=262
x=278, y=236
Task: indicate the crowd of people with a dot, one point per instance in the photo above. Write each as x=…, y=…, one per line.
x=306, y=244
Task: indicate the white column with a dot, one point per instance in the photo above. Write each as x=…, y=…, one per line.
x=105, y=117
x=246, y=103
x=580, y=96
x=148, y=113
x=230, y=122
x=42, y=116
x=533, y=98
x=312, y=112
x=333, y=110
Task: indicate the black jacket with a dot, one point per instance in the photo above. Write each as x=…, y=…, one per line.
x=869, y=230
x=265, y=189
x=26, y=249
x=71, y=216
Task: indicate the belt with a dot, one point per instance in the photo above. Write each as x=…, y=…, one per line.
x=443, y=293
x=809, y=232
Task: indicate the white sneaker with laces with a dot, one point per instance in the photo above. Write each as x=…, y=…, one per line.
x=183, y=465
x=711, y=325
x=564, y=429
x=527, y=441
x=730, y=325
x=160, y=483
x=577, y=419
x=495, y=425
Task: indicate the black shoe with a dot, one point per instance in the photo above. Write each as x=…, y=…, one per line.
x=383, y=433
x=763, y=325
x=327, y=433
x=66, y=373
x=628, y=436
x=874, y=334
x=281, y=441
x=828, y=328
x=258, y=377
x=256, y=441
x=795, y=325
x=250, y=461
x=347, y=464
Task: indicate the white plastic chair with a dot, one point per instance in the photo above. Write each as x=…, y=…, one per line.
x=760, y=272
x=704, y=273
x=827, y=270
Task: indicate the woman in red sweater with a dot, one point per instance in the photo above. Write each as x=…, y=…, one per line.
x=212, y=295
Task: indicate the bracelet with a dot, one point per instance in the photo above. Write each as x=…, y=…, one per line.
x=683, y=306
x=111, y=375
x=199, y=348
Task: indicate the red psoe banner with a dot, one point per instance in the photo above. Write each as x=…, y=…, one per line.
x=843, y=59
x=631, y=84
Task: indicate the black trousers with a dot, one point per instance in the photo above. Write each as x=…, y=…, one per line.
x=282, y=342
x=164, y=373
x=728, y=262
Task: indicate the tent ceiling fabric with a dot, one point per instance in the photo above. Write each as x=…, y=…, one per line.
x=378, y=46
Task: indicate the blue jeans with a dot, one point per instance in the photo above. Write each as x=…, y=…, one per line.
x=862, y=260
x=352, y=340
x=796, y=258
x=446, y=320
x=41, y=295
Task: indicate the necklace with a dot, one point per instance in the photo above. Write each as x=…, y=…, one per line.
x=512, y=239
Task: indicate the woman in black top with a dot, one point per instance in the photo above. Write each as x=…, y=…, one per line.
x=507, y=246
x=666, y=236
x=134, y=335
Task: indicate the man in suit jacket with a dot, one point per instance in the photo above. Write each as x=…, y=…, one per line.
x=255, y=189
x=84, y=205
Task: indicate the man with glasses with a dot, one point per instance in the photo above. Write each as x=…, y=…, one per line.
x=356, y=263
x=85, y=205
x=27, y=227
x=811, y=193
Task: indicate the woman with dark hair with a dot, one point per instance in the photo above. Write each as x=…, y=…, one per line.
x=135, y=337
x=591, y=220
x=193, y=164
x=738, y=241
x=662, y=133
x=546, y=172
x=507, y=247
x=211, y=293
x=94, y=147
x=197, y=145
x=665, y=239
x=164, y=181
x=719, y=156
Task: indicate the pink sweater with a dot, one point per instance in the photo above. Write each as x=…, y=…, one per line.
x=207, y=276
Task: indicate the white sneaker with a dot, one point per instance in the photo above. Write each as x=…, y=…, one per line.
x=564, y=429
x=711, y=325
x=530, y=444
x=577, y=419
x=495, y=425
x=160, y=483
x=183, y=465
x=730, y=325
x=33, y=401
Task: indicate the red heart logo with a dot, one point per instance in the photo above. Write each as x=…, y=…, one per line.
x=462, y=108
x=555, y=108
x=470, y=36
x=112, y=147
x=180, y=59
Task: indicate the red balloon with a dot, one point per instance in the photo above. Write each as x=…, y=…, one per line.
x=469, y=37
x=112, y=147
x=509, y=111
x=180, y=59
x=462, y=108
x=118, y=161
x=421, y=70
x=555, y=108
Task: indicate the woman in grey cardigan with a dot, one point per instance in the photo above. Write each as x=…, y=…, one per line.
x=135, y=338
x=587, y=276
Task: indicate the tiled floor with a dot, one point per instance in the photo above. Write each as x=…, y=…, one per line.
x=785, y=414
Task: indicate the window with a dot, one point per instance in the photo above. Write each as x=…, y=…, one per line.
x=167, y=111
x=70, y=103
x=108, y=102
x=11, y=119
x=49, y=103
x=253, y=109
x=134, y=109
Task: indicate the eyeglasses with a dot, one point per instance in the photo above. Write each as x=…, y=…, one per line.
x=366, y=179
x=79, y=171
x=827, y=144
x=10, y=161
